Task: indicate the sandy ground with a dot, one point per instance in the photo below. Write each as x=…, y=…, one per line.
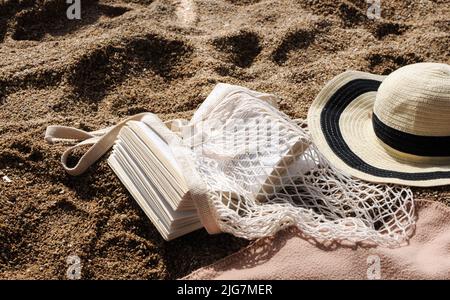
x=131, y=56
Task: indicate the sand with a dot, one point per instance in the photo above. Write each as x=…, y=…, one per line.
x=126, y=57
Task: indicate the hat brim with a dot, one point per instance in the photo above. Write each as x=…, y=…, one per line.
x=340, y=122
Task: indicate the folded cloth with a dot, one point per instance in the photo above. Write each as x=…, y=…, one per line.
x=288, y=255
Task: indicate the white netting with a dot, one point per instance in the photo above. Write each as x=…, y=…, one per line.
x=263, y=174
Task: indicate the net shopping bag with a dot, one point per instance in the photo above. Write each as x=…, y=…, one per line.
x=253, y=171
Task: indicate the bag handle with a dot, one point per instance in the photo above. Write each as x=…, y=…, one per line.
x=101, y=140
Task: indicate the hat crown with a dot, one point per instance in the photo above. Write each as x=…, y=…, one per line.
x=415, y=99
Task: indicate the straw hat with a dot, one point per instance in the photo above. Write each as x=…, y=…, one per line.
x=390, y=129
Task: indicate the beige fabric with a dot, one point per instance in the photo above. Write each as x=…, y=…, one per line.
x=357, y=130
x=289, y=256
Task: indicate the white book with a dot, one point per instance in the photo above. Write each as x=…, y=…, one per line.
x=145, y=164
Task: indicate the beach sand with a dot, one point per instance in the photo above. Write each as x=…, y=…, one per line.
x=126, y=57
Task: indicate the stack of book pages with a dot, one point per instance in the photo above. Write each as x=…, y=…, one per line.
x=145, y=164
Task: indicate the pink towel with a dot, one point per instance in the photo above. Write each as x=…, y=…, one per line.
x=289, y=256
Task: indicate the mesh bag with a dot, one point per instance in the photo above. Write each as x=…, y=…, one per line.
x=262, y=174
x=253, y=171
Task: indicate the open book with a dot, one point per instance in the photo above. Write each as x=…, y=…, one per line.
x=145, y=164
